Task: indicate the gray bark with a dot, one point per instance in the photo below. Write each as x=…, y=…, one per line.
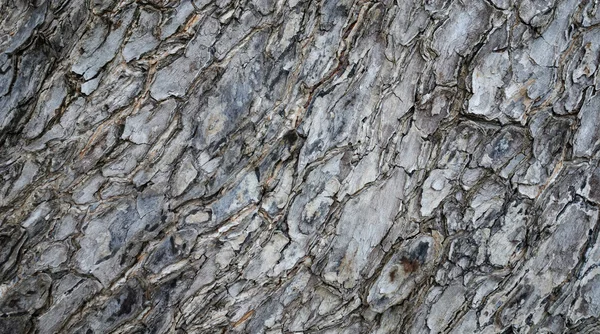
x=332, y=166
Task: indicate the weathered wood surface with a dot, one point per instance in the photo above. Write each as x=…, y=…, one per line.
x=333, y=166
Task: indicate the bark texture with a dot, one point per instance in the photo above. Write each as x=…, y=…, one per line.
x=279, y=166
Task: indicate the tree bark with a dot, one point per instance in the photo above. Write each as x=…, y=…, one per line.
x=299, y=166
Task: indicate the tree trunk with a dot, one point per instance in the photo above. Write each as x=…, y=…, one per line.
x=333, y=166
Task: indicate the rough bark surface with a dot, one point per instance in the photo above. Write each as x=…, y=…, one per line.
x=278, y=166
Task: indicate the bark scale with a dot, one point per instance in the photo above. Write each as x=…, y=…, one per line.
x=333, y=166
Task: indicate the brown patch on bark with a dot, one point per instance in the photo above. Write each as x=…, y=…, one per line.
x=243, y=318
x=409, y=265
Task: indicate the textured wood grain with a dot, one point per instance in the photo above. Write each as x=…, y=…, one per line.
x=299, y=166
